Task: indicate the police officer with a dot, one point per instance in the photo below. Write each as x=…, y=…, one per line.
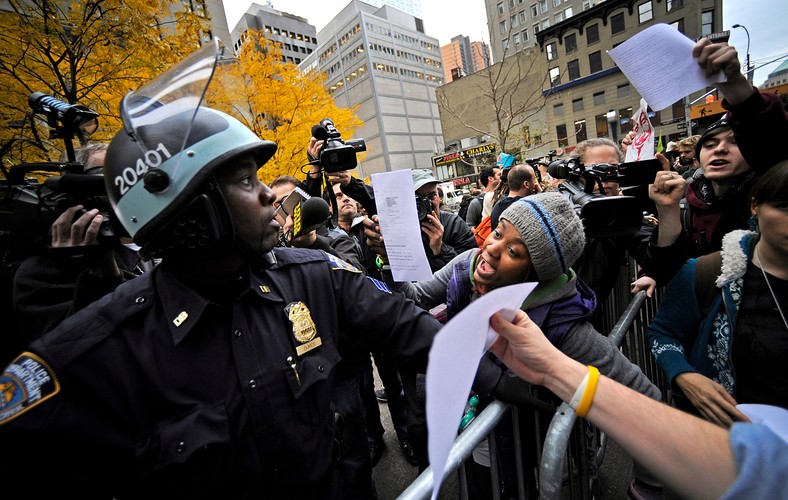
x=211, y=375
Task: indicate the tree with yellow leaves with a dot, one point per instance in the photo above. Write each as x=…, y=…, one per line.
x=87, y=52
x=281, y=104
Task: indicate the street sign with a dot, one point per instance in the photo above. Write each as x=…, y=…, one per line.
x=720, y=37
x=674, y=120
x=706, y=110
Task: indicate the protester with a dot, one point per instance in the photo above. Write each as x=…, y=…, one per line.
x=732, y=154
x=538, y=238
x=692, y=457
x=489, y=178
x=521, y=181
x=720, y=334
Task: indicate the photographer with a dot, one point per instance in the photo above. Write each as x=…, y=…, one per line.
x=76, y=269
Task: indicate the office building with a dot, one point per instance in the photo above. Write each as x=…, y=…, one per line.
x=380, y=60
x=295, y=35
x=462, y=57
x=587, y=94
x=412, y=7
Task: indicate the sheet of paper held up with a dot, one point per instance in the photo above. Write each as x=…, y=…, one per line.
x=453, y=361
x=641, y=59
x=399, y=223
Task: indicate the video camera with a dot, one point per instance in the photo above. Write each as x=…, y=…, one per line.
x=604, y=215
x=336, y=155
x=29, y=207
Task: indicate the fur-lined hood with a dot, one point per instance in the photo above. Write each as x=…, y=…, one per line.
x=737, y=247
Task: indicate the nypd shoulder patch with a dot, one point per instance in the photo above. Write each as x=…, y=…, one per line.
x=339, y=264
x=26, y=383
x=380, y=285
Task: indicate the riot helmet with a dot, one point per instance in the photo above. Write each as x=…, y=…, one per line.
x=159, y=168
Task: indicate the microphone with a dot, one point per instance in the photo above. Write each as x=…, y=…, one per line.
x=309, y=215
x=77, y=184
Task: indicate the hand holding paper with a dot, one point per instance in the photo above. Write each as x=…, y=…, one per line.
x=662, y=85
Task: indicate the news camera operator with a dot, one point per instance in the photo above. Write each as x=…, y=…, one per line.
x=732, y=153
x=603, y=255
x=211, y=375
x=77, y=268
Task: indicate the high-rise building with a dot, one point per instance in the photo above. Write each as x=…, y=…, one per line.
x=380, y=60
x=412, y=7
x=513, y=24
x=295, y=35
x=462, y=57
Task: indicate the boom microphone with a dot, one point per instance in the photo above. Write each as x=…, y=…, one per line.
x=309, y=215
x=81, y=185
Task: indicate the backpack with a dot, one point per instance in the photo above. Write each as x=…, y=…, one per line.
x=483, y=230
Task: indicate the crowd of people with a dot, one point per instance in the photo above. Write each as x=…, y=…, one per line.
x=223, y=350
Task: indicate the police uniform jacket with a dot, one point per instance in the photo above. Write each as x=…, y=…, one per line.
x=154, y=391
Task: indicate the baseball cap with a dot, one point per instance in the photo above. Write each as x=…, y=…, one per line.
x=715, y=128
x=421, y=177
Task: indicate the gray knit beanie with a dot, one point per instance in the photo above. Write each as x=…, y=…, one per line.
x=551, y=230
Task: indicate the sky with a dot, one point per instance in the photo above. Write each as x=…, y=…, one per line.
x=764, y=19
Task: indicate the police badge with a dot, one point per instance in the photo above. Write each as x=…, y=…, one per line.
x=304, y=329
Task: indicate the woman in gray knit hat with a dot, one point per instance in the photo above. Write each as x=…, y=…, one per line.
x=538, y=238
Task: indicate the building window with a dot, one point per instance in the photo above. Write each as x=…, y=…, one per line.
x=544, y=24
x=595, y=61
x=505, y=44
x=599, y=98
x=560, y=135
x=586, y=4
x=511, y=4
x=517, y=38
x=580, y=131
x=577, y=105
x=679, y=25
x=500, y=8
x=552, y=53
x=567, y=13
x=707, y=23
x=543, y=6
x=502, y=27
x=622, y=91
x=672, y=5
x=601, y=125
x=558, y=109
x=625, y=118
x=678, y=109
x=513, y=21
x=556, y=3
x=592, y=34
x=573, y=68
x=534, y=11
x=570, y=42
x=555, y=76
x=645, y=12
x=557, y=18
x=536, y=29
x=617, y=24
x=521, y=17
x=524, y=33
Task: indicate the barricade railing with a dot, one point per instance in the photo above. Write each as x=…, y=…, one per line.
x=626, y=318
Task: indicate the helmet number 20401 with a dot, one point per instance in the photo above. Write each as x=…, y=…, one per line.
x=131, y=175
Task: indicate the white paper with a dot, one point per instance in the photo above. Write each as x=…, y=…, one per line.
x=453, y=361
x=642, y=147
x=642, y=60
x=774, y=417
x=399, y=224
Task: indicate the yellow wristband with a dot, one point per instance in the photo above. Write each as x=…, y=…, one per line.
x=588, y=394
